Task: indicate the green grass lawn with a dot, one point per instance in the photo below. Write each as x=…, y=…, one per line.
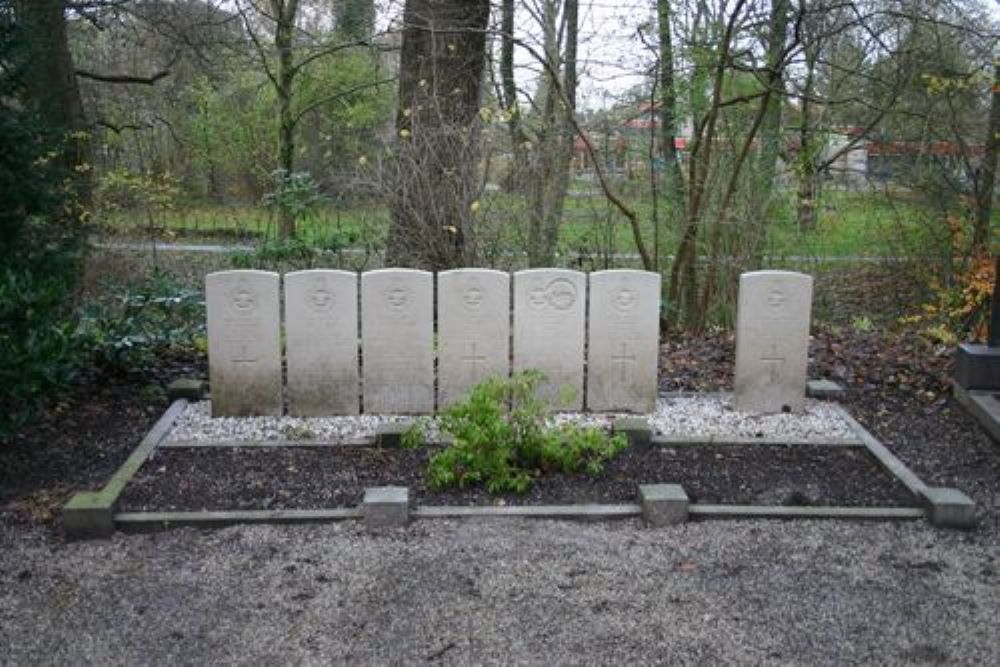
x=850, y=224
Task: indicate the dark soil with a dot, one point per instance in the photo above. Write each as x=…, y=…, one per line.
x=78, y=440
x=316, y=478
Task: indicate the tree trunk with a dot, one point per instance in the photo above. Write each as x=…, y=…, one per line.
x=437, y=152
x=550, y=182
x=284, y=16
x=668, y=110
x=770, y=130
x=988, y=174
x=514, y=182
x=52, y=92
x=564, y=151
x=807, y=214
x=544, y=159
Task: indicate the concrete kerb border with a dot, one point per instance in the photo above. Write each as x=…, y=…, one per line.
x=944, y=507
x=91, y=514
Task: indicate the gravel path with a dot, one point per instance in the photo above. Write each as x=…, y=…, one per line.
x=505, y=591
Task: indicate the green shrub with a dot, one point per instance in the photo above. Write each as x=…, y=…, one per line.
x=292, y=252
x=41, y=350
x=506, y=449
x=41, y=247
x=143, y=320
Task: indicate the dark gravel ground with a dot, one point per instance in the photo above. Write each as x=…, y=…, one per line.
x=313, y=478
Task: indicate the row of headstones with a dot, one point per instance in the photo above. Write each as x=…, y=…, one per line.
x=393, y=371
x=473, y=339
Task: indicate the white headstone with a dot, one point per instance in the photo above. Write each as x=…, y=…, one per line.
x=321, y=343
x=772, y=341
x=549, y=312
x=473, y=330
x=397, y=341
x=244, y=343
x=624, y=337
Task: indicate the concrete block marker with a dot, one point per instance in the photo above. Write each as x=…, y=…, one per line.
x=191, y=389
x=89, y=514
x=390, y=434
x=950, y=508
x=977, y=366
x=664, y=504
x=824, y=390
x=636, y=429
x=386, y=507
x=984, y=406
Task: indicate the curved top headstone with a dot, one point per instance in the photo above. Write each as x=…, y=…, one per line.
x=772, y=341
x=549, y=312
x=473, y=330
x=321, y=331
x=397, y=341
x=244, y=343
x=623, y=347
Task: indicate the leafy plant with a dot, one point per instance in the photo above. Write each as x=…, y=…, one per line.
x=506, y=449
x=958, y=308
x=41, y=247
x=143, y=320
x=293, y=251
x=415, y=436
x=295, y=192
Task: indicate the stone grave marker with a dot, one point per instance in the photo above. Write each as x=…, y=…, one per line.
x=244, y=343
x=549, y=313
x=321, y=335
x=772, y=341
x=624, y=329
x=473, y=330
x=397, y=341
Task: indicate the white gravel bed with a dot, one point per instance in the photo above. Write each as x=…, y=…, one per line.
x=196, y=425
x=713, y=415
x=710, y=415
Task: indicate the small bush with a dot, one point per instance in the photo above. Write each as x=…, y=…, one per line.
x=278, y=254
x=959, y=309
x=505, y=450
x=143, y=320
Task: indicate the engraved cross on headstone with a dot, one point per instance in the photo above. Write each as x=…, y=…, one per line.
x=244, y=355
x=623, y=360
x=773, y=361
x=472, y=357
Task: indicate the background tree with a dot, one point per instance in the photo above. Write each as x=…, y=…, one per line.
x=436, y=156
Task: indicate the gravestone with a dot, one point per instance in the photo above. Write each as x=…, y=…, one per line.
x=397, y=341
x=244, y=343
x=549, y=331
x=624, y=327
x=473, y=330
x=321, y=333
x=772, y=341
